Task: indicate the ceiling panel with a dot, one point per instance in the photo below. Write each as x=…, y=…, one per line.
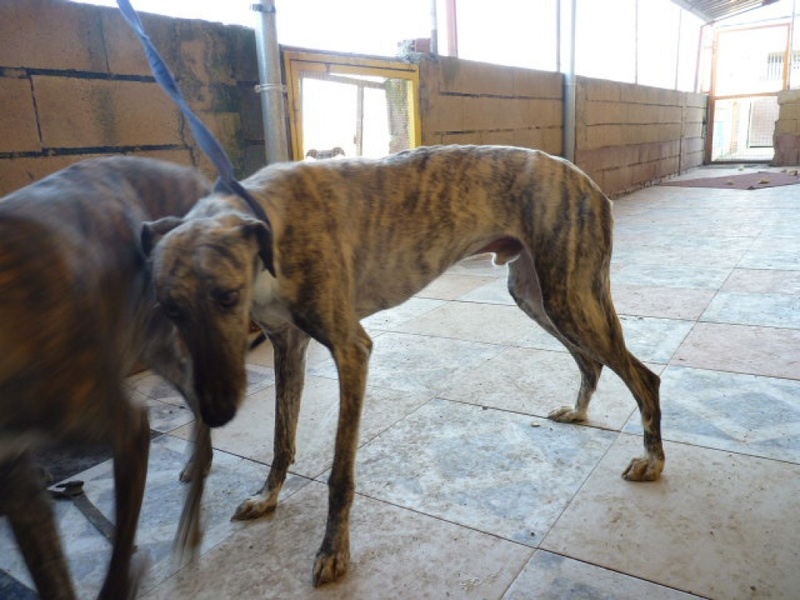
x=714, y=10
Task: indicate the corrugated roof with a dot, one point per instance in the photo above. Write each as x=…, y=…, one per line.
x=714, y=10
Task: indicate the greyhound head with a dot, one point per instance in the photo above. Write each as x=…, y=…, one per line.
x=204, y=270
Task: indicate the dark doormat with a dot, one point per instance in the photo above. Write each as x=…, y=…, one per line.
x=746, y=181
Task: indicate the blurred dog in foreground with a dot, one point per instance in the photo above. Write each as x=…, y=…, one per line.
x=77, y=312
x=355, y=236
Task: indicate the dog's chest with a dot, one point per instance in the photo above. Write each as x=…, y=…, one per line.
x=267, y=298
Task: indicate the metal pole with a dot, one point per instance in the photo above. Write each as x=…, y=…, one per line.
x=434, y=50
x=790, y=57
x=570, y=121
x=270, y=87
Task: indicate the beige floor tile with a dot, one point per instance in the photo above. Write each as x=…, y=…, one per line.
x=452, y=286
x=763, y=281
x=553, y=577
x=715, y=525
x=669, y=303
x=534, y=382
x=766, y=310
x=488, y=323
x=418, y=363
x=407, y=311
x=498, y=472
x=742, y=349
x=251, y=433
x=395, y=554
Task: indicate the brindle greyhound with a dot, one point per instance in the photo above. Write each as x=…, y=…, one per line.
x=355, y=236
x=76, y=314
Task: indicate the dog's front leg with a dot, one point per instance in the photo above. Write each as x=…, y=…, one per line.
x=289, y=346
x=352, y=361
x=131, y=450
x=29, y=509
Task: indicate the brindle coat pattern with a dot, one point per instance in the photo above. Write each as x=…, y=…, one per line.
x=355, y=236
x=76, y=313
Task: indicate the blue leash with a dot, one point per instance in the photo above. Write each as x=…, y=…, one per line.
x=227, y=182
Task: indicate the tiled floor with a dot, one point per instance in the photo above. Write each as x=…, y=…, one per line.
x=466, y=490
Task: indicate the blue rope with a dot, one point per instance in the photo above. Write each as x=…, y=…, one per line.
x=205, y=139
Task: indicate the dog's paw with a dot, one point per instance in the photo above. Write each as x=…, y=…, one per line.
x=643, y=469
x=254, y=507
x=329, y=567
x=567, y=414
x=187, y=472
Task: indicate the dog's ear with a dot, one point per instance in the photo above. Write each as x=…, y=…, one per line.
x=153, y=231
x=263, y=236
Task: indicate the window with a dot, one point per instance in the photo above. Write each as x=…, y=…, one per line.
x=508, y=32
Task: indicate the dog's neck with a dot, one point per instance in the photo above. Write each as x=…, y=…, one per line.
x=219, y=204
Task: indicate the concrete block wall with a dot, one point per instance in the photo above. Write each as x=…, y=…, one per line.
x=74, y=83
x=787, y=129
x=628, y=136
x=466, y=102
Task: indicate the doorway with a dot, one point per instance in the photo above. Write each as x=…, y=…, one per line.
x=351, y=106
x=750, y=67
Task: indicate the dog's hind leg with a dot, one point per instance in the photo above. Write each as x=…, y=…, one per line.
x=580, y=309
x=523, y=285
x=352, y=359
x=131, y=446
x=289, y=345
x=29, y=508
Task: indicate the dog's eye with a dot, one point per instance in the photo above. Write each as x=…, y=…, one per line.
x=227, y=298
x=172, y=310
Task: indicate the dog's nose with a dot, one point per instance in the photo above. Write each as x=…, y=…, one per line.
x=218, y=415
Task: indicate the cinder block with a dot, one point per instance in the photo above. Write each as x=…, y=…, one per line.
x=488, y=114
x=692, y=100
x=480, y=113
x=604, y=113
x=461, y=138
x=125, y=52
x=790, y=126
x=538, y=84
x=203, y=54
x=244, y=61
x=788, y=96
x=469, y=77
x=250, y=110
x=17, y=117
x=498, y=138
x=530, y=137
x=616, y=181
x=553, y=140
x=42, y=34
x=103, y=113
x=786, y=141
x=227, y=128
x=789, y=111
x=601, y=136
x=599, y=89
x=544, y=113
x=443, y=113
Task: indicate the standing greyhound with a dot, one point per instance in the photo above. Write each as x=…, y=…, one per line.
x=76, y=314
x=355, y=236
